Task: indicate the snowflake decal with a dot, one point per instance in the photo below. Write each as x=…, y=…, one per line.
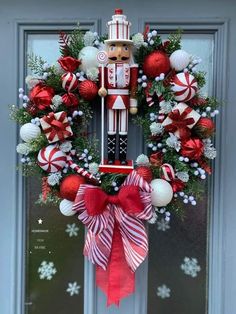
x=46, y=270
x=73, y=288
x=163, y=225
x=190, y=267
x=72, y=230
x=163, y=292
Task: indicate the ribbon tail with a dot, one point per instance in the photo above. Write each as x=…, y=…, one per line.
x=118, y=280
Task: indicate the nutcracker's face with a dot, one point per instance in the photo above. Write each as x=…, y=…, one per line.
x=119, y=53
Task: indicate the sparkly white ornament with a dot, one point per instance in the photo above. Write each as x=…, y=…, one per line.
x=93, y=168
x=162, y=192
x=92, y=74
x=66, y=208
x=138, y=40
x=29, y=131
x=88, y=58
x=89, y=38
x=31, y=81
x=179, y=60
x=156, y=128
x=23, y=148
x=142, y=160
x=51, y=159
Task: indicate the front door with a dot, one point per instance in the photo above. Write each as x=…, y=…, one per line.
x=183, y=273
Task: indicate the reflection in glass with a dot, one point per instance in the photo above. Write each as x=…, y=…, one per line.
x=177, y=276
x=54, y=243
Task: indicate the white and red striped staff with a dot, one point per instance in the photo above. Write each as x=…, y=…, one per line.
x=81, y=170
x=102, y=59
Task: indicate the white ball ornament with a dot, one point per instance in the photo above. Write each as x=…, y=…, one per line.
x=66, y=208
x=88, y=58
x=29, y=131
x=179, y=60
x=162, y=192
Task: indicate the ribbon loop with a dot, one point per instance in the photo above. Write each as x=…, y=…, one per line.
x=116, y=241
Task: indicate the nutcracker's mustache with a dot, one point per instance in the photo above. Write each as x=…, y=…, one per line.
x=115, y=58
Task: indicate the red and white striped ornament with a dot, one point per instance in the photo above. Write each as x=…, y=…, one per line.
x=51, y=159
x=184, y=86
x=167, y=172
x=69, y=81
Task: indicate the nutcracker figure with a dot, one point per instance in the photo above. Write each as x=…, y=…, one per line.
x=120, y=84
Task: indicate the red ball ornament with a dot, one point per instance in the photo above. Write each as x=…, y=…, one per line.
x=145, y=172
x=41, y=95
x=204, y=128
x=70, y=100
x=88, y=90
x=70, y=185
x=155, y=63
x=192, y=148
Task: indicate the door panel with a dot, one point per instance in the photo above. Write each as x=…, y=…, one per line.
x=178, y=258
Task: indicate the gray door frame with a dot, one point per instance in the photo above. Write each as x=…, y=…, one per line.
x=15, y=287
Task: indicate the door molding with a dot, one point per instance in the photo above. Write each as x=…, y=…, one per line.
x=219, y=29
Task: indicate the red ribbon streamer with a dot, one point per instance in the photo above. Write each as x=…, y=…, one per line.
x=180, y=122
x=57, y=126
x=116, y=240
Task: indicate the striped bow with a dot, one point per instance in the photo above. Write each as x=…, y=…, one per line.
x=116, y=240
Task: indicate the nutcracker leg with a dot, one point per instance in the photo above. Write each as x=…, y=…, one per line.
x=111, y=136
x=123, y=130
x=111, y=148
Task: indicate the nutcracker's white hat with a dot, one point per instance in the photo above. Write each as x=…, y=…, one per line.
x=118, y=28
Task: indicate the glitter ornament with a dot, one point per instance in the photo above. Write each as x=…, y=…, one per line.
x=70, y=185
x=155, y=63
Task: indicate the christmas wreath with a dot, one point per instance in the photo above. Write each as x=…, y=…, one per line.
x=177, y=123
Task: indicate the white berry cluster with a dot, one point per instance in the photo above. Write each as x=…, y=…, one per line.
x=142, y=80
x=198, y=171
x=115, y=186
x=151, y=37
x=23, y=97
x=86, y=158
x=208, y=112
x=187, y=199
x=36, y=121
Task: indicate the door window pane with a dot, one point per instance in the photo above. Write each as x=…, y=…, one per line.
x=54, y=248
x=177, y=276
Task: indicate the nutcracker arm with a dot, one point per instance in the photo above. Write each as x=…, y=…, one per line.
x=102, y=92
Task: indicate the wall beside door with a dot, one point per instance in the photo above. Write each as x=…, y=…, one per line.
x=11, y=219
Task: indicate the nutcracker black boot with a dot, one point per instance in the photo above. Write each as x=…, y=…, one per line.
x=111, y=148
x=122, y=149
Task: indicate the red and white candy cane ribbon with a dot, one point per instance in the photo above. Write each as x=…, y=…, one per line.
x=116, y=241
x=81, y=170
x=167, y=172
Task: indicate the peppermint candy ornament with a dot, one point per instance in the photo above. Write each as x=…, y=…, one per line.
x=69, y=81
x=184, y=86
x=51, y=159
